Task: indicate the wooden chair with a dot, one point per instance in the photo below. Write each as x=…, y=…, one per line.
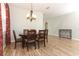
x=25, y=31
x=31, y=38
x=16, y=39
x=41, y=37
x=46, y=34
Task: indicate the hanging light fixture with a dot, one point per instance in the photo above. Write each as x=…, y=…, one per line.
x=31, y=16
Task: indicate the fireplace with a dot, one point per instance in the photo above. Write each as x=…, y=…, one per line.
x=65, y=33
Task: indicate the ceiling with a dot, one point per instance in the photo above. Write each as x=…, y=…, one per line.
x=54, y=9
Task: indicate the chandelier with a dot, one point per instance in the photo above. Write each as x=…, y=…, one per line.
x=31, y=15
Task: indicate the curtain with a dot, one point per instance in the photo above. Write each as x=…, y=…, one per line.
x=1, y=35
x=8, y=39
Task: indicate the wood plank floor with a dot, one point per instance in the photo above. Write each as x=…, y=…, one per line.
x=54, y=47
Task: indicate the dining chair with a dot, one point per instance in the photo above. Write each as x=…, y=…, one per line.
x=25, y=31
x=46, y=34
x=17, y=40
x=31, y=38
x=41, y=37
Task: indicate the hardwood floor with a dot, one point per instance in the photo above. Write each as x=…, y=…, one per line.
x=54, y=47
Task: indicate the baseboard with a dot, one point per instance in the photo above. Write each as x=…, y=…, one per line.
x=75, y=39
x=12, y=41
x=58, y=36
x=53, y=35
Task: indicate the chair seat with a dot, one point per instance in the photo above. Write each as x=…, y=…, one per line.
x=40, y=39
x=19, y=40
x=30, y=41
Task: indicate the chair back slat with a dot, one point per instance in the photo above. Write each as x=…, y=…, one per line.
x=41, y=34
x=31, y=35
x=25, y=31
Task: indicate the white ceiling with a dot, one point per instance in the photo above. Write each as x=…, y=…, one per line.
x=54, y=9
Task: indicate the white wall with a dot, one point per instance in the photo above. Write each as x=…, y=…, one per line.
x=20, y=22
x=67, y=21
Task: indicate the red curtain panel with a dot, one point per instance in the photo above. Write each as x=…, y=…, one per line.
x=8, y=39
x=1, y=36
